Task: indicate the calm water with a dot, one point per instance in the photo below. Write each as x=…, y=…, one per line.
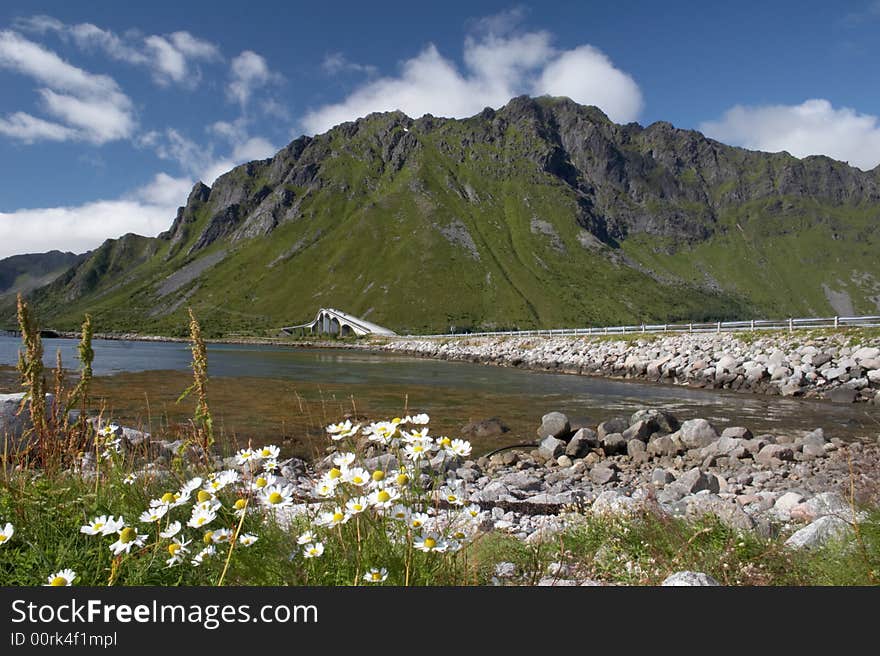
x=272, y=393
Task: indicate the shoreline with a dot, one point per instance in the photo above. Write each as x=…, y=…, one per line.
x=835, y=366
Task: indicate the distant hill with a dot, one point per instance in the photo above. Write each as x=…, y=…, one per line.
x=24, y=273
x=543, y=213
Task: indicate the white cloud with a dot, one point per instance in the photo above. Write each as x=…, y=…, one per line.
x=27, y=128
x=146, y=211
x=172, y=58
x=588, y=77
x=336, y=62
x=93, y=107
x=497, y=68
x=815, y=127
x=200, y=161
x=248, y=72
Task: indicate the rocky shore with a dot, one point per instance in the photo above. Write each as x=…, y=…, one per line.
x=833, y=366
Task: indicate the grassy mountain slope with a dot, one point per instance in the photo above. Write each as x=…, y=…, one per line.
x=544, y=213
x=24, y=273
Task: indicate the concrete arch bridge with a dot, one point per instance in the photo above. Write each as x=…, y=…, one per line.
x=330, y=321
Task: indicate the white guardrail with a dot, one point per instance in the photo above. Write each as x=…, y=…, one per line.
x=712, y=327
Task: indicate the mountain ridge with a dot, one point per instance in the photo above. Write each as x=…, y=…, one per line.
x=541, y=213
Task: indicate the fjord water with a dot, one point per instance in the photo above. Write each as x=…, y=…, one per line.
x=285, y=394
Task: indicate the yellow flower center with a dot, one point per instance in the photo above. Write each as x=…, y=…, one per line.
x=275, y=497
x=334, y=473
x=376, y=576
x=416, y=523
x=59, y=580
x=262, y=482
x=208, y=537
x=445, y=441
x=97, y=527
x=402, y=479
x=240, y=504
x=168, y=497
x=201, y=520
x=204, y=495
x=451, y=497
x=127, y=535
x=378, y=475
x=430, y=543
x=173, y=548
x=357, y=480
x=396, y=420
x=383, y=496
x=338, y=517
x=3, y=538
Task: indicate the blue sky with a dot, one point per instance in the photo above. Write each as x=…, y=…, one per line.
x=110, y=111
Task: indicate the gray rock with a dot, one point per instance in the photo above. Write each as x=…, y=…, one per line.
x=663, y=420
x=866, y=353
x=616, y=425
x=816, y=437
x=554, y=424
x=581, y=443
x=773, y=454
x=727, y=511
x=737, y=432
x=694, y=481
x=697, y=433
x=521, y=481
x=819, y=533
x=564, y=461
x=635, y=447
x=641, y=430
x=602, y=474
x=661, y=477
x=14, y=426
x=613, y=444
x=551, y=447
x=788, y=501
x=689, y=579
x=664, y=445
x=813, y=451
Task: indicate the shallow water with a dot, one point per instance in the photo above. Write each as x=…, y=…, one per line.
x=284, y=394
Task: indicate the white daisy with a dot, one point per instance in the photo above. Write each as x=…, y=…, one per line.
x=62, y=577
x=128, y=538
x=177, y=550
x=154, y=514
x=430, y=543
x=277, y=496
x=210, y=550
x=306, y=537
x=6, y=533
x=313, y=550
x=103, y=525
x=268, y=451
x=247, y=539
x=375, y=575
x=172, y=530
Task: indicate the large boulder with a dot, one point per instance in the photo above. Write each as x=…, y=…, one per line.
x=616, y=425
x=581, y=443
x=697, y=433
x=14, y=425
x=662, y=420
x=554, y=424
x=819, y=533
x=551, y=447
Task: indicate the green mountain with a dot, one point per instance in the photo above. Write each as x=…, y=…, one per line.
x=541, y=214
x=21, y=274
